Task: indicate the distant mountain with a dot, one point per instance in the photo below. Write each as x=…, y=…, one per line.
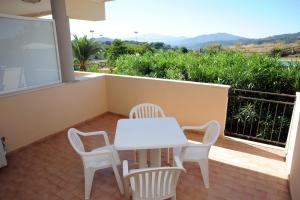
x=228, y=39
x=203, y=40
x=153, y=37
x=104, y=39
x=192, y=43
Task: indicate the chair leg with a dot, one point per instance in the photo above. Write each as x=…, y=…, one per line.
x=134, y=156
x=168, y=155
x=204, y=171
x=88, y=182
x=174, y=197
x=118, y=178
x=127, y=189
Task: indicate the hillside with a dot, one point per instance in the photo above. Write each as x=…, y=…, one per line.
x=287, y=38
x=201, y=41
x=228, y=39
x=274, y=48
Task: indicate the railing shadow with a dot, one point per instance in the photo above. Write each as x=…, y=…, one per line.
x=243, y=146
x=230, y=182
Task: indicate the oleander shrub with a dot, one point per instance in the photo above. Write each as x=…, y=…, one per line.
x=240, y=70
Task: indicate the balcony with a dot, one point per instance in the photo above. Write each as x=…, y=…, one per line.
x=42, y=164
x=50, y=169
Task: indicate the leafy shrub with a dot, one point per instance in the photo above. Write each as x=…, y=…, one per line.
x=240, y=70
x=93, y=68
x=276, y=51
x=212, y=48
x=115, y=50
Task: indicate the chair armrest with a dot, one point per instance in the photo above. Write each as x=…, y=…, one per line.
x=199, y=146
x=200, y=127
x=94, y=133
x=178, y=163
x=107, y=152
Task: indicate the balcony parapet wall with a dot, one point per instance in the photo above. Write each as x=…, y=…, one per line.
x=32, y=115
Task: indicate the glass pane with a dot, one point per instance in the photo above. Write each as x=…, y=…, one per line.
x=28, y=54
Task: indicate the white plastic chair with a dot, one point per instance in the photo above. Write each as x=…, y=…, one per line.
x=198, y=152
x=96, y=159
x=147, y=110
x=152, y=183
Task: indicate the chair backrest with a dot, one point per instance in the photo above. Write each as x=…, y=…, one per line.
x=75, y=140
x=212, y=132
x=157, y=183
x=146, y=110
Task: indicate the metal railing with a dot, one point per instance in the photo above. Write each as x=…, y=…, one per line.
x=259, y=116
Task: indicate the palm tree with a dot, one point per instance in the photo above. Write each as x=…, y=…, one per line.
x=83, y=49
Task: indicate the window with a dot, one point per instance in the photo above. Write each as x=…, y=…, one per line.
x=28, y=53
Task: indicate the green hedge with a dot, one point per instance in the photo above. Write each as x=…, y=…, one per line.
x=240, y=70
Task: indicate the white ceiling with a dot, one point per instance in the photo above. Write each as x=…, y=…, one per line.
x=19, y=7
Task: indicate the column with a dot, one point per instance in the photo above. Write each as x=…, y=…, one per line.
x=58, y=8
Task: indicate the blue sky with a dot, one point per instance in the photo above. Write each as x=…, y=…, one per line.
x=248, y=18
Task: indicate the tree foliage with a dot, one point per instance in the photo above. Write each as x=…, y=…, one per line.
x=83, y=49
x=119, y=48
x=160, y=46
x=116, y=49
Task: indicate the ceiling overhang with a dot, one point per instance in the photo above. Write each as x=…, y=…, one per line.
x=93, y=10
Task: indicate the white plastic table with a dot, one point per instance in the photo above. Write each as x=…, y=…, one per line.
x=149, y=134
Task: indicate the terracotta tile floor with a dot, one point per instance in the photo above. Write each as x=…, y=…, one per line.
x=52, y=170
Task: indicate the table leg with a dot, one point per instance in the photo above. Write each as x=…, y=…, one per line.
x=142, y=158
x=155, y=157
